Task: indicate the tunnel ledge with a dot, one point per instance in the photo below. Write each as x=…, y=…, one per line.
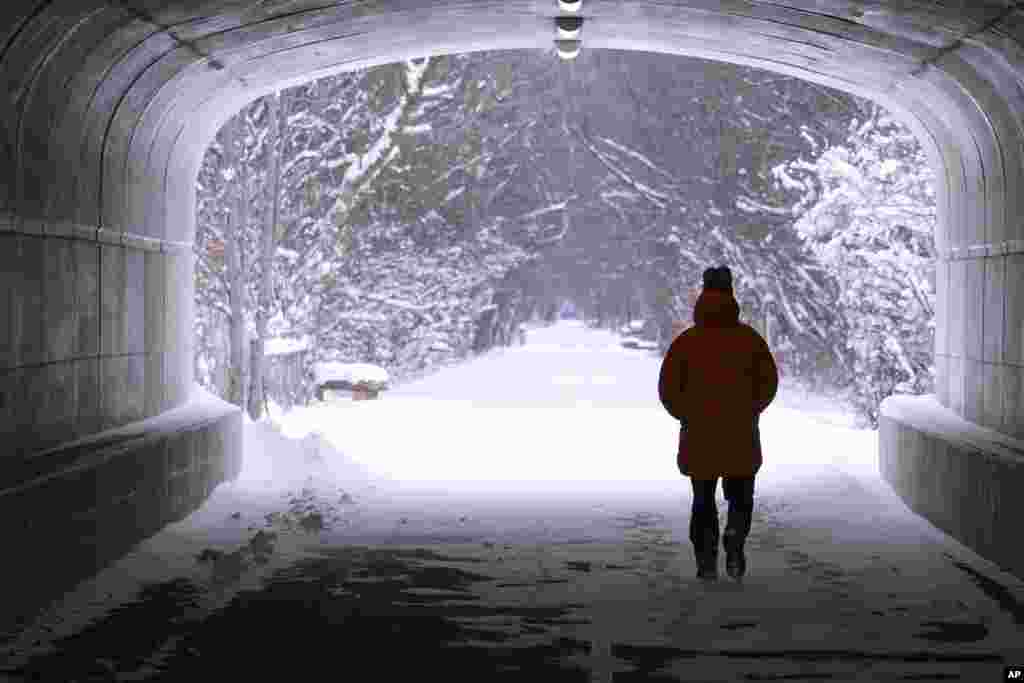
x=963, y=478
x=84, y=505
x=201, y=412
x=925, y=414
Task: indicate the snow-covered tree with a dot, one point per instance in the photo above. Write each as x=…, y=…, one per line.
x=399, y=305
x=238, y=230
x=384, y=190
x=678, y=156
x=365, y=158
x=869, y=216
x=224, y=251
x=611, y=182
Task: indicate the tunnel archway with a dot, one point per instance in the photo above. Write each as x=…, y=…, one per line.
x=111, y=105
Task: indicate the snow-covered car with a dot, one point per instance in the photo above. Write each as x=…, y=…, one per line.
x=638, y=343
x=632, y=327
x=363, y=380
x=641, y=329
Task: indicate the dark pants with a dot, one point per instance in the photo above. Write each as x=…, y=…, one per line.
x=704, y=516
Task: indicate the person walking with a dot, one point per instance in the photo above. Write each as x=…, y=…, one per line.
x=717, y=378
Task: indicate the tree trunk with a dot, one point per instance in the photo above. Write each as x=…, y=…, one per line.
x=220, y=350
x=235, y=273
x=236, y=334
x=257, y=391
x=484, y=337
x=256, y=386
x=236, y=267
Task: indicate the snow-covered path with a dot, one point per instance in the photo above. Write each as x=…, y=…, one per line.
x=570, y=410
x=520, y=516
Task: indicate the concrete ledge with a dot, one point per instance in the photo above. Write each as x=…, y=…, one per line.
x=965, y=479
x=69, y=512
x=87, y=233
x=982, y=250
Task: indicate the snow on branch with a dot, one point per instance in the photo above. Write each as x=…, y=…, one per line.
x=470, y=162
x=653, y=196
x=395, y=303
x=435, y=90
x=332, y=164
x=638, y=156
x=552, y=208
x=781, y=298
x=364, y=168
x=414, y=73
x=299, y=158
x=750, y=205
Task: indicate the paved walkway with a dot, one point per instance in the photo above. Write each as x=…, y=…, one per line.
x=580, y=587
x=362, y=579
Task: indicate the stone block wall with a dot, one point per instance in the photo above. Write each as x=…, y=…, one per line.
x=979, y=341
x=83, y=330
x=89, y=503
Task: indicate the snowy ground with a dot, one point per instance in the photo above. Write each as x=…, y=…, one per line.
x=524, y=508
x=571, y=411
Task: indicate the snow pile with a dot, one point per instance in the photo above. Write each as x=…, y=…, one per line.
x=276, y=460
x=350, y=373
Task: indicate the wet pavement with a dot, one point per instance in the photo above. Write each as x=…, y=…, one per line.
x=378, y=581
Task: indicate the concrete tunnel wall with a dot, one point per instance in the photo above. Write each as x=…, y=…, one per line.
x=110, y=107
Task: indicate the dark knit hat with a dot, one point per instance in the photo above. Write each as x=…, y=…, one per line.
x=718, y=278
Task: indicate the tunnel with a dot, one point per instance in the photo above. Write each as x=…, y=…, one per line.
x=110, y=106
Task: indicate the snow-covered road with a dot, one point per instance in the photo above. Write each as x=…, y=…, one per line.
x=521, y=516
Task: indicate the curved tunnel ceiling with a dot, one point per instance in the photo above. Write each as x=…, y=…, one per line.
x=110, y=105
x=114, y=103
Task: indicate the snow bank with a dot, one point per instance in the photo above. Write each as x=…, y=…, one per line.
x=276, y=461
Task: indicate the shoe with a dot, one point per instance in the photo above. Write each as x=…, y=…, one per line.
x=735, y=561
x=736, y=564
x=708, y=573
x=707, y=559
x=707, y=566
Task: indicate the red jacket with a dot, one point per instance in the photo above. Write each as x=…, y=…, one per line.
x=718, y=376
